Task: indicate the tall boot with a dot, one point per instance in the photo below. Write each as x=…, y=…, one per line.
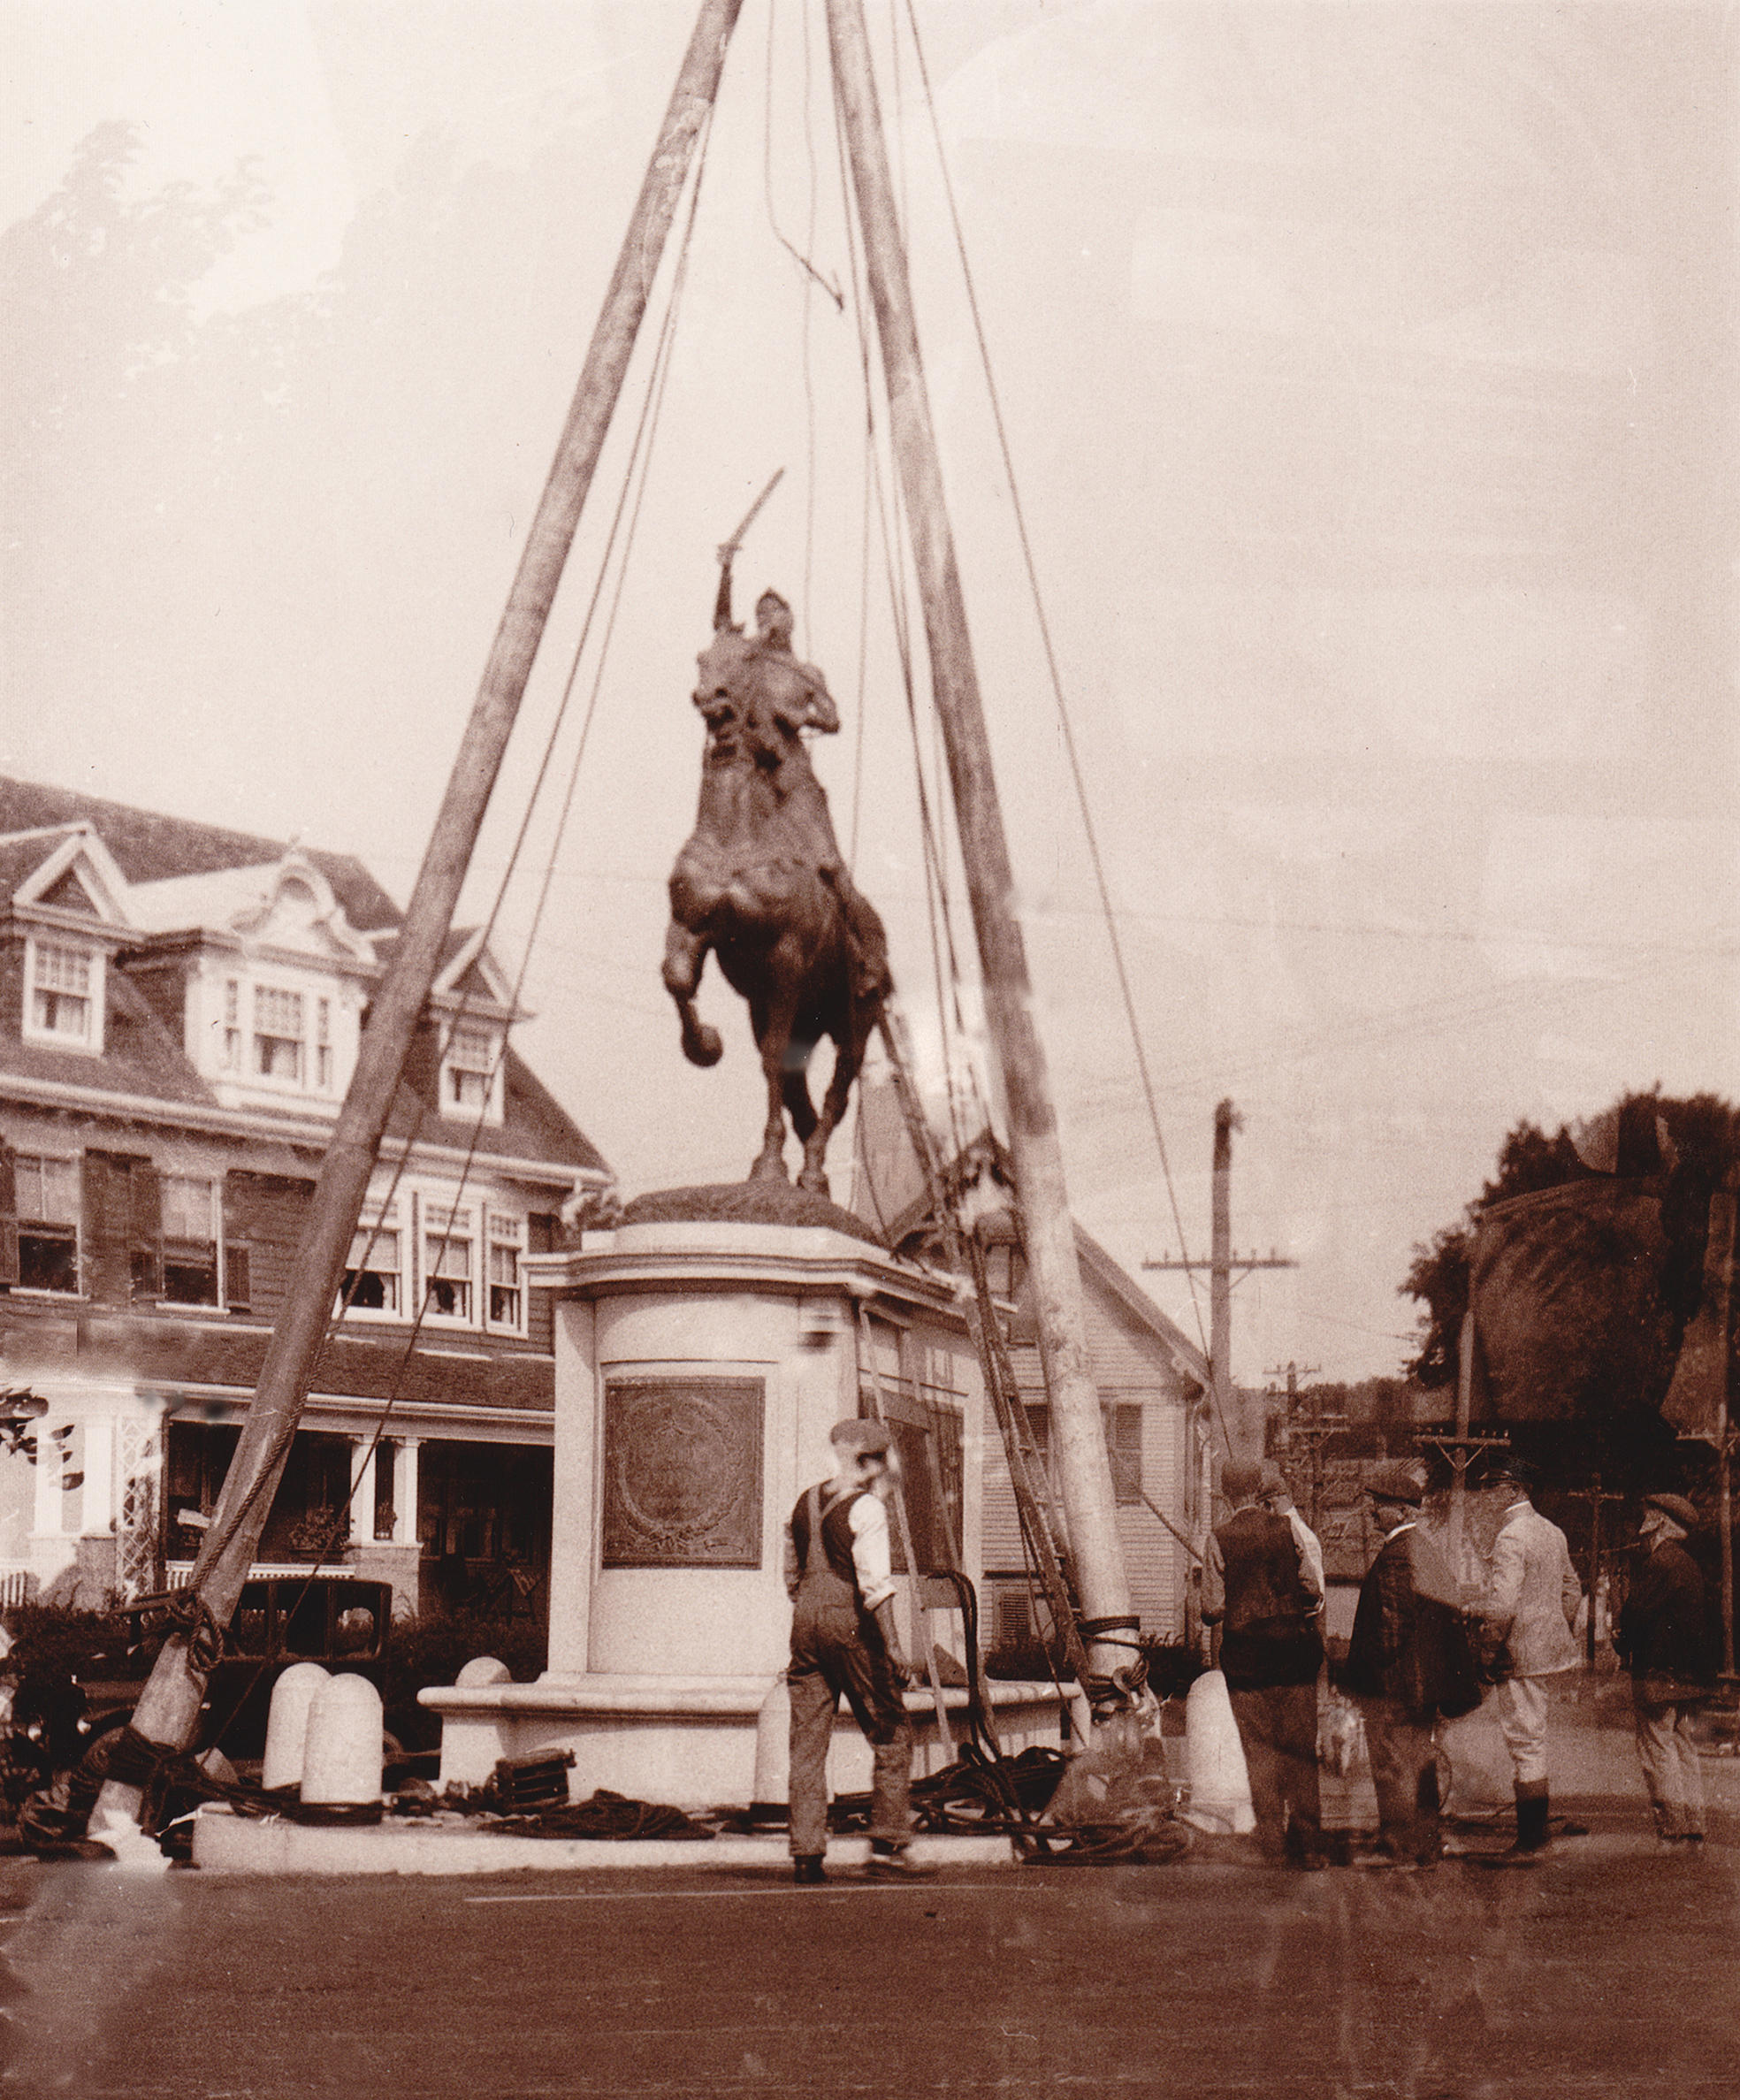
x=1531, y=1815
x=1529, y=1848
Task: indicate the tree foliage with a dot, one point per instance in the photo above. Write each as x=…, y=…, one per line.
x=1703, y=1147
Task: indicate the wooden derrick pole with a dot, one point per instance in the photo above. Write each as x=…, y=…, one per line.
x=1084, y=1467
x=168, y=1711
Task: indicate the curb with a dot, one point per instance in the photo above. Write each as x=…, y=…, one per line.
x=225, y=1843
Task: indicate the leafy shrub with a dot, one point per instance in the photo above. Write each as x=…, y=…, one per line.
x=58, y=1640
x=1174, y=1666
x=432, y=1648
x=1027, y=1660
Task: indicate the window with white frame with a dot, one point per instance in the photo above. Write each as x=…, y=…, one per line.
x=373, y=1277
x=277, y=1033
x=61, y=999
x=447, y=1261
x=323, y=1045
x=467, y=1080
x=506, y=1286
x=189, y=1215
x=47, y=1222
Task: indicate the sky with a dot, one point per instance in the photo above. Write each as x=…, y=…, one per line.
x=1368, y=373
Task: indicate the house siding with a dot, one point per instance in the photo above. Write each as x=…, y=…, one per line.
x=116, y=1363
x=1129, y=1368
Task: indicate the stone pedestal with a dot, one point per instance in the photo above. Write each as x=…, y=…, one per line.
x=701, y=1359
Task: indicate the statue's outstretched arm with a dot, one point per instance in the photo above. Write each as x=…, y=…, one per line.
x=721, y=604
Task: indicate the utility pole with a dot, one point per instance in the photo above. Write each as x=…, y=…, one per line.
x=168, y=1712
x=1593, y=1496
x=1084, y=1467
x=1315, y=1433
x=1461, y=1448
x=1241, y=1439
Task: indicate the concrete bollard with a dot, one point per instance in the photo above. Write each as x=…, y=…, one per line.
x=1214, y=1760
x=342, y=1764
x=287, y=1724
x=484, y=1669
x=772, y=1791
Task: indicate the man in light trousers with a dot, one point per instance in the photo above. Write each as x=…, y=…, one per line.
x=1527, y=1615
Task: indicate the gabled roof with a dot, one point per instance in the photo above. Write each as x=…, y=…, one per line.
x=894, y=1174
x=180, y=876
x=533, y=1125
x=151, y=848
x=140, y=1055
x=1118, y=1283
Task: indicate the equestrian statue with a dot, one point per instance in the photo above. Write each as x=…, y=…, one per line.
x=761, y=884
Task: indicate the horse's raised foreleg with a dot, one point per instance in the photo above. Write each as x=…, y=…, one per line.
x=685, y=958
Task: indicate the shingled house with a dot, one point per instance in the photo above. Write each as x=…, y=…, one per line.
x=180, y=1008
x=1152, y=1383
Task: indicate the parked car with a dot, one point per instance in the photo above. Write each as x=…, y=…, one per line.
x=337, y=1620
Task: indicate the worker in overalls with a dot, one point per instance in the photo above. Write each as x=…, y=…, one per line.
x=841, y=1580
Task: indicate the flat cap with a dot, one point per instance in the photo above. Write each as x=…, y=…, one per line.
x=1396, y=1483
x=1673, y=1506
x=860, y=1436
x=1513, y=1469
x=1241, y=1480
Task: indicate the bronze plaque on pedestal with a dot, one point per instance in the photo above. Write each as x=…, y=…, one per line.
x=683, y=1473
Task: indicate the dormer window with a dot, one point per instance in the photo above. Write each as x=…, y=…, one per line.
x=63, y=995
x=469, y=1073
x=277, y=1033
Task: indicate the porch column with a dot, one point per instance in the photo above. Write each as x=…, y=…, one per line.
x=405, y=1492
x=360, y=1511
x=97, y=1516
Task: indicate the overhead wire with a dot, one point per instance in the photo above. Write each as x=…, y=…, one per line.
x=377, y=1208
x=936, y=904
x=944, y=1197
x=1065, y=722
x=796, y=254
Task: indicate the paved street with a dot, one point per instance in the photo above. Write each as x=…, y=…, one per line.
x=1610, y=1972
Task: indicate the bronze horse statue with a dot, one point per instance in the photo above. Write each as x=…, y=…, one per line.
x=761, y=884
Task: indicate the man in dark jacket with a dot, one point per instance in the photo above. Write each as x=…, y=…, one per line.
x=1664, y=1637
x=1408, y=1662
x=1259, y=1588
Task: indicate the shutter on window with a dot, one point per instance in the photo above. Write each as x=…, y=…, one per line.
x=9, y=1268
x=108, y=1207
x=1124, y=1447
x=540, y=1308
x=236, y=1296
x=262, y=1220
x=145, y=1230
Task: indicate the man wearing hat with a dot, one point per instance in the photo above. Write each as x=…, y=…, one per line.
x=843, y=1642
x=1257, y=1586
x=1407, y=1664
x=1526, y=1617
x=1664, y=1637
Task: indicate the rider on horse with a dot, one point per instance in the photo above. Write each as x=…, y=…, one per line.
x=777, y=696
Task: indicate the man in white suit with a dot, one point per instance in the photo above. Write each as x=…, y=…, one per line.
x=1527, y=1614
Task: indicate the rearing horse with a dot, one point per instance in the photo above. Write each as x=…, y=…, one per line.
x=761, y=884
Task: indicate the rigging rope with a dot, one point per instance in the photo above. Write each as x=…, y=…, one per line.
x=186, y=1608
x=1063, y=718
